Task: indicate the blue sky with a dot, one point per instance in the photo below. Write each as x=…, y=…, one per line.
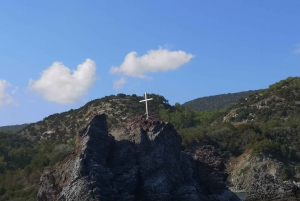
x=179, y=49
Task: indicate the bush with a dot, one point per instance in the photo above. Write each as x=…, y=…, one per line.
x=40, y=161
x=71, y=142
x=121, y=95
x=267, y=146
x=285, y=174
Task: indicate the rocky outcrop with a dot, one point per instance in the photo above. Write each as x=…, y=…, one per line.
x=211, y=169
x=245, y=169
x=268, y=187
x=139, y=161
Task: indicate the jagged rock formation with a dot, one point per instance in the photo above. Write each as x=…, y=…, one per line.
x=141, y=160
x=210, y=167
x=268, y=187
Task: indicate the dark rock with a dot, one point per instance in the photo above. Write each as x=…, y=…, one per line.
x=208, y=155
x=137, y=162
x=268, y=187
x=211, y=169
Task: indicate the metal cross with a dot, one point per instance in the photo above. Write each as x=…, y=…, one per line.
x=146, y=104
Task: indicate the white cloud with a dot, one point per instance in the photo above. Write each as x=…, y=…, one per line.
x=153, y=61
x=4, y=97
x=15, y=90
x=297, y=51
x=61, y=85
x=119, y=83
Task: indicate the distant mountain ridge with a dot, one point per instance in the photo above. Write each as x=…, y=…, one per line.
x=217, y=102
x=13, y=127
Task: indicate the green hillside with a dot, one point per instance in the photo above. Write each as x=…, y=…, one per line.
x=267, y=122
x=279, y=102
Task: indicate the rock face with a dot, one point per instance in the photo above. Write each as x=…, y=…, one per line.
x=248, y=169
x=211, y=169
x=137, y=162
x=268, y=187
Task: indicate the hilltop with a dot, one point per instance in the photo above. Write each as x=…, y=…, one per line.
x=119, y=108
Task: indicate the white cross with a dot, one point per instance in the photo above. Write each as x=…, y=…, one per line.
x=146, y=104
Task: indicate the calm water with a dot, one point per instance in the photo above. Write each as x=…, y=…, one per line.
x=242, y=196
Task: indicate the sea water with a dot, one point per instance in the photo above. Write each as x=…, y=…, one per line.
x=241, y=195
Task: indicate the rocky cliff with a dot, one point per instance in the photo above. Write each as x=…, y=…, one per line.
x=268, y=187
x=142, y=160
x=211, y=170
x=245, y=169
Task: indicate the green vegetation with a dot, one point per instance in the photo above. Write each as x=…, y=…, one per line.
x=22, y=163
x=285, y=174
x=277, y=139
x=207, y=127
x=182, y=117
x=279, y=101
x=290, y=81
x=13, y=128
x=267, y=121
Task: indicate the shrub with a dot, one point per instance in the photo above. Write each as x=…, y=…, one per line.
x=72, y=143
x=267, y=146
x=285, y=173
x=40, y=161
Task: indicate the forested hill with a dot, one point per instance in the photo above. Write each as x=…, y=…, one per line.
x=13, y=127
x=217, y=102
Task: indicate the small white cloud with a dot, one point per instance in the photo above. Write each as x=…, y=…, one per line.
x=61, y=85
x=119, y=83
x=153, y=61
x=15, y=90
x=5, y=98
x=297, y=51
